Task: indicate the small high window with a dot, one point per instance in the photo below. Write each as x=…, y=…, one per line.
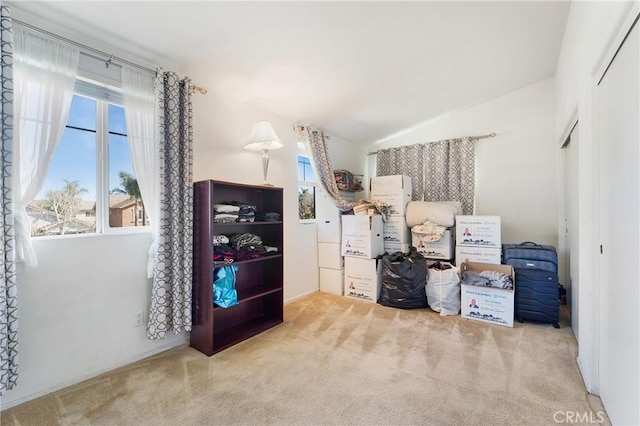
x=306, y=189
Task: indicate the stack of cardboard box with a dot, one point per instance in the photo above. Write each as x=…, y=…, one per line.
x=364, y=237
x=329, y=258
x=478, y=239
x=330, y=261
x=395, y=191
x=361, y=244
x=479, y=248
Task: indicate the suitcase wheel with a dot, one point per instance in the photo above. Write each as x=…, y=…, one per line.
x=556, y=325
x=520, y=320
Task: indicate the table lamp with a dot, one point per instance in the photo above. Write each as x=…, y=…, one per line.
x=263, y=138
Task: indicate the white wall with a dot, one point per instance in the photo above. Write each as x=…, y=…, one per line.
x=591, y=29
x=516, y=171
x=221, y=128
x=76, y=312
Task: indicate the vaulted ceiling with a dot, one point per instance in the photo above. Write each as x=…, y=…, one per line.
x=361, y=70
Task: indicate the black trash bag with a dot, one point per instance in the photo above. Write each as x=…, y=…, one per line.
x=403, y=277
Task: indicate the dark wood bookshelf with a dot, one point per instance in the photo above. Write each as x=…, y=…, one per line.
x=259, y=281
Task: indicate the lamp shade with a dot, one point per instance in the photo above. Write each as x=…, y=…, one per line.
x=263, y=137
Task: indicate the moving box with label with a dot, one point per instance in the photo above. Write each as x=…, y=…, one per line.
x=362, y=236
x=394, y=190
x=478, y=231
x=439, y=249
x=361, y=279
x=487, y=304
x=477, y=254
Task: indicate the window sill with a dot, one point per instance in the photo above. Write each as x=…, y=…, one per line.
x=111, y=232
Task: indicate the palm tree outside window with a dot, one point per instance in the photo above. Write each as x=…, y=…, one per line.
x=129, y=186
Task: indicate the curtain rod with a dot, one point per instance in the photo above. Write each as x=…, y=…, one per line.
x=202, y=90
x=108, y=61
x=490, y=135
x=301, y=128
x=93, y=52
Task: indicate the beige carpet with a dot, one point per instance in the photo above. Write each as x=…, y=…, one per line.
x=342, y=361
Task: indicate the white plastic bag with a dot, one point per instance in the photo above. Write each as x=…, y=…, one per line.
x=443, y=290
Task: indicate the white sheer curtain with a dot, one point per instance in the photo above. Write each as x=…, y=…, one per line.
x=44, y=76
x=140, y=115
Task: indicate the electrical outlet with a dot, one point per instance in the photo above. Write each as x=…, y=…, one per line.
x=138, y=319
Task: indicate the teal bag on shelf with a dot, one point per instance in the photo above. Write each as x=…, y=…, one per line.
x=224, y=286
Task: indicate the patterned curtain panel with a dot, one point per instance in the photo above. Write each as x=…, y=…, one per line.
x=436, y=165
x=171, y=291
x=450, y=172
x=406, y=160
x=439, y=171
x=462, y=172
x=321, y=162
x=8, y=300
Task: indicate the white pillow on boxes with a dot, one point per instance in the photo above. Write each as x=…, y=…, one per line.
x=441, y=213
x=458, y=205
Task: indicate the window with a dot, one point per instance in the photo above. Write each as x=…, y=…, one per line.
x=90, y=185
x=306, y=189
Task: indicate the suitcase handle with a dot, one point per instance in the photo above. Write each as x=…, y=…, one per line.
x=526, y=243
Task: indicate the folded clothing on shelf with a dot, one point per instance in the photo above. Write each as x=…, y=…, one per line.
x=226, y=208
x=220, y=239
x=268, y=217
x=240, y=247
x=224, y=217
x=233, y=211
x=245, y=241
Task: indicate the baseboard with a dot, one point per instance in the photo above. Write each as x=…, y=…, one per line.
x=591, y=389
x=300, y=296
x=141, y=356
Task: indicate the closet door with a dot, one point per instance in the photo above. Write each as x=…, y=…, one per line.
x=618, y=138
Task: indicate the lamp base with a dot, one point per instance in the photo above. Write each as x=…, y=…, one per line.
x=265, y=167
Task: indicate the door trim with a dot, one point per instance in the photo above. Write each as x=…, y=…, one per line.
x=571, y=124
x=617, y=42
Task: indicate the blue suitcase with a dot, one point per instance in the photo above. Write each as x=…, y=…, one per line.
x=536, y=270
x=530, y=255
x=536, y=296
